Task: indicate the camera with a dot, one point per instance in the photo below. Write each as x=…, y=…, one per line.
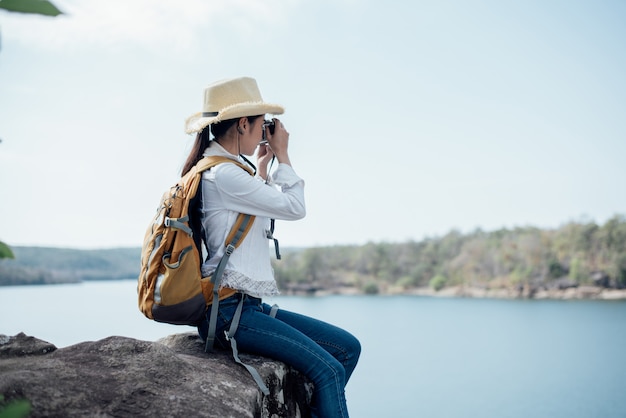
x=270, y=125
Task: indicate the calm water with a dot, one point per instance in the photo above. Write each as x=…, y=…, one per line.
x=422, y=357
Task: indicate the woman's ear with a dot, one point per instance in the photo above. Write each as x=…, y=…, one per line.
x=241, y=125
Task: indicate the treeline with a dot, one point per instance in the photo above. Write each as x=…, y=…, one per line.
x=39, y=265
x=577, y=253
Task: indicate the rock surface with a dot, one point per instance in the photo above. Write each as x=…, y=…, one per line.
x=124, y=377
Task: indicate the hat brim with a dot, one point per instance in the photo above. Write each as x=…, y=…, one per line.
x=197, y=122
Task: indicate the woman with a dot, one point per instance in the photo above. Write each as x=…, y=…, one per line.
x=234, y=112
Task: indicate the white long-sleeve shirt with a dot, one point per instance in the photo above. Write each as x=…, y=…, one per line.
x=227, y=190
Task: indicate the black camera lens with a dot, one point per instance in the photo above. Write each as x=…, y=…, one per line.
x=270, y=125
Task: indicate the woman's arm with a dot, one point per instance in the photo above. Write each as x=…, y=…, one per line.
x=240, y=192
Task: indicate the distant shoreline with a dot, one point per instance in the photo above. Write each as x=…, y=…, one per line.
x=586, y=292
x=572, y=293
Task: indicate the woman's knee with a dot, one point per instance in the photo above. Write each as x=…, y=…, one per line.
x=329, y=372
x=354, y=346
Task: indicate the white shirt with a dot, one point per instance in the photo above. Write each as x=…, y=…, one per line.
x=228, y=190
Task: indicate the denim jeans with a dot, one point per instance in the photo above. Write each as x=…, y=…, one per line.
x=324, y=353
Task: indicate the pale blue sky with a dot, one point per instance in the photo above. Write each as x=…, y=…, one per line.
x=407, y=118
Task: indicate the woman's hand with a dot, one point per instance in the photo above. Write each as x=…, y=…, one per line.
x=279, y=142
x=264, y=155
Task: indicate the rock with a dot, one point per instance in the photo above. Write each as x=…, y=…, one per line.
x=562, y=283
x=124, y=377
x=588, y=292
x=600, y=279
x=23, y=345
x=613, y=294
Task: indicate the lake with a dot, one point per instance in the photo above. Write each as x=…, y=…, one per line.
x=422, y=357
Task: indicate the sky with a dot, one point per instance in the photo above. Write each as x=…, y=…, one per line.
x=407, y=119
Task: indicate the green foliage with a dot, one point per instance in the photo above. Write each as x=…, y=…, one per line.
x=556, y=270
x=42, y=7
x=371, y=288
x=5, y=251
x=577, y=271
x=406, y=282
x=521, y=274
x=620, y=270
x=438, y=282
x=506, y=257
x=19, y=408
x=582, y=251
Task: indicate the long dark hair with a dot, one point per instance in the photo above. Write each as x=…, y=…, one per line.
x=203, y=140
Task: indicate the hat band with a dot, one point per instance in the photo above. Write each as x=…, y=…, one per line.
x=209, y=114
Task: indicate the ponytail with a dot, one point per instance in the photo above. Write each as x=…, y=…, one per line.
x=203, y=138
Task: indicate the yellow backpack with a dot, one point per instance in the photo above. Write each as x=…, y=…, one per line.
x=171, y=288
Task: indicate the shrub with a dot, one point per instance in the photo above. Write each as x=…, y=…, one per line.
x=438, y=282
x=19, y=408
x=371, y=288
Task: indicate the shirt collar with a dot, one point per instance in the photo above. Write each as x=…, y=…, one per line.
x=215, y=149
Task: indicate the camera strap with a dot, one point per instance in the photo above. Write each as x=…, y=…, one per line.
x=270, y=232
x=270, y=235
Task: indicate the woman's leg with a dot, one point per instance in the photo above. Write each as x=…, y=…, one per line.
x=278, y=338
x=339, y=343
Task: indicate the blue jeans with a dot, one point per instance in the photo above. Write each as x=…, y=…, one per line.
x=326, y=354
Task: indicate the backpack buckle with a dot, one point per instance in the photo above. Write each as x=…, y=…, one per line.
x=229, y=249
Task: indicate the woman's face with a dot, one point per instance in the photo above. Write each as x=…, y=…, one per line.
x=252, y=136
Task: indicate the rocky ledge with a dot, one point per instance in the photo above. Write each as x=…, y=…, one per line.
x=124, y=377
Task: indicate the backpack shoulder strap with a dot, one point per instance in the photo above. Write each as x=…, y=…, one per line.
x=237, y=233
x=211, y=161
x=235, y=237
x=240, y=229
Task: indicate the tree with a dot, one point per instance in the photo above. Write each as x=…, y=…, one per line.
x=42, y=7
x=5, y=251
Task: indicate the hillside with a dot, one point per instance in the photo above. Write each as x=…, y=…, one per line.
x=525, y=260
x=41, y=265
x=521, y=260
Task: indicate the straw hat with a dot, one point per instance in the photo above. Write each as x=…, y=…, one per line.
x=229, y=99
